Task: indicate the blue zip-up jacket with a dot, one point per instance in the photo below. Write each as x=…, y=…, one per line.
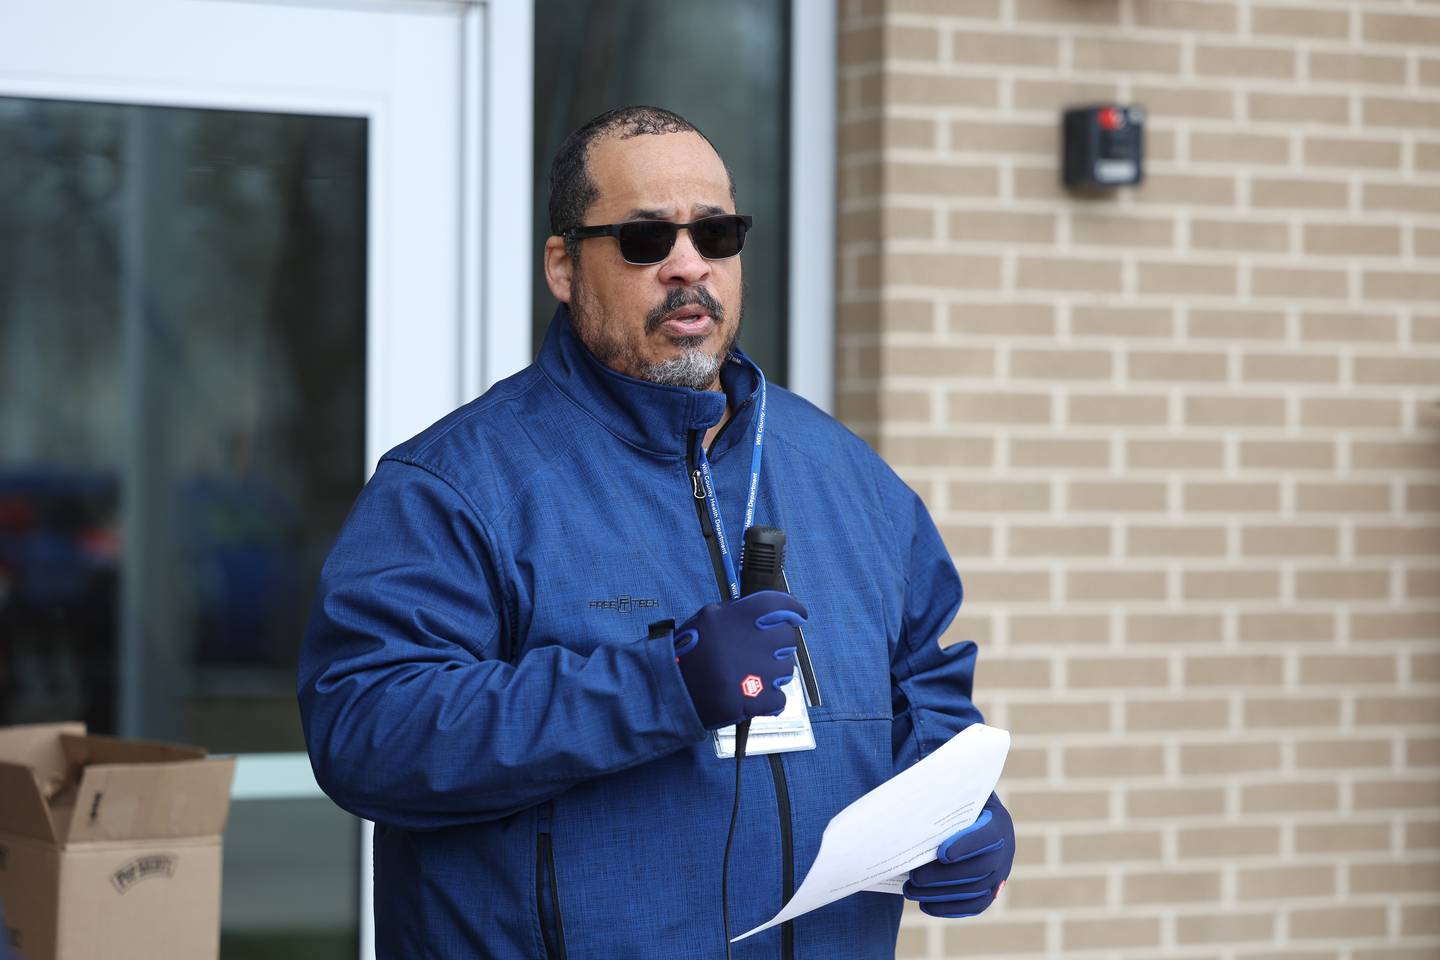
x=478, y=680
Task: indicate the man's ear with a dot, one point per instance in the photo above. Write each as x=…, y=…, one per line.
x=559, y=269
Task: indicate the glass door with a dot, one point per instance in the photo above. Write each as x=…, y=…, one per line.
x=230, y=279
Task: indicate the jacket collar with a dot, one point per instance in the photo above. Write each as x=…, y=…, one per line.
x=652, y=417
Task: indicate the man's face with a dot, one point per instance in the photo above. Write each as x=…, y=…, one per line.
x=669, y=322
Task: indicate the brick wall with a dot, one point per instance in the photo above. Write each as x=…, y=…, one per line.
x=1182, y=445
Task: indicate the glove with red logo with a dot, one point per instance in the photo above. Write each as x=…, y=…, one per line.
x=735, y=656
x=970, y=866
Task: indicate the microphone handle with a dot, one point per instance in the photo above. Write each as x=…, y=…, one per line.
x=763, y=561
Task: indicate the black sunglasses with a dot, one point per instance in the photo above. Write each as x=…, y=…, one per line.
x=644, y=242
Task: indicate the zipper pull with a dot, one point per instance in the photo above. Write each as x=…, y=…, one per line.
x=699, y=486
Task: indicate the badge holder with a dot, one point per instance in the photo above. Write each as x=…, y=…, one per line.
x=788, y=732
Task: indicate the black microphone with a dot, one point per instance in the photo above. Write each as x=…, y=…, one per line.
x=763, y=562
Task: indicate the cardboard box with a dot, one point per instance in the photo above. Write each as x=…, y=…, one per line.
x=110, y=848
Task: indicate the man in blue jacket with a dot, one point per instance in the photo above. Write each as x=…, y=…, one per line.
x=489, y=674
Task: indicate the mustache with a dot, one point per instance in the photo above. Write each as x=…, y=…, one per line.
x=684, y=297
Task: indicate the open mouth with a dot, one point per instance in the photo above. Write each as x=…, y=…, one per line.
x=689, y=321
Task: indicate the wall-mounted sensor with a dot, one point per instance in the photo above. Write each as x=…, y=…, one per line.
x=1104, y=146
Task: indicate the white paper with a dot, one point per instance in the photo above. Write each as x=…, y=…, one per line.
x=877, y=840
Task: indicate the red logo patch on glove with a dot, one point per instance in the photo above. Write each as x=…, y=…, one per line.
x=751, y=686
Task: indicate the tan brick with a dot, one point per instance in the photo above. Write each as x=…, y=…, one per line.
x=1397, y=794
x=1346, y=240
x=1290, y=797
x=1377, y=153
x=1341, y=837
x=1068, y=11
x=1231, y=584
x=1418, y=285
x=1422, y=834
x=1422, y=584
x=1110, y=934
x=935, y=360
x=1298, y=108
x=1175, y=541
x=1422, y=498
x=937, y=451
x=1037, y=183
x=1131, y=760
x=1348, y=327
x=1396, y=456
x=1119, y=409
x=1060, y=364
x=1058, y=804
x=1232, y=497
x=1126, y=56
x=1290, y=368
x=1200, y=759
x=1292, y=283
x=1172, y=802
x=1236, y=324
x=1269, y=883
x=1002, y=319
x=1421, y=877
x=1290, y=540
x=1118, y=672
x=1121, y=321
x=1065, y=630
x=1285, y=628
x=1347, y=669
x=1409, y=625
x=906, y=223
x=1338, y=923
x=1096, y=585
x=999, y=497
x=1026, y=763
x=1427, y=156
x=1299, y=194
x=1410, y=541
x=1056, y=893
x=1173, y=628
x=1292, y=712
x=1051, y=95
x=967, y=540
x=1174, y=454
x=1172, y=886
x=901, y=315
x=1185, y=15
x=1154, y=715
x=971, y=9
x=995, y=938
x=1419, y=921
x=1111, y=846
x=1271, y=236
x=1002, y=586
x=1184, y=277
x=1059, y=452
x=1052, y=541
x=1232, y=411
x=973, y=46
x=1237, y=670
x=1056, y=273
x=1233, y=61
x=1338, y=754
x=1007, y=138
x=1427, y=241
x=1349, y=412
x=931, y=90
x=905, y=406
x=1429, y=73
x=1199, y=843
x=993, y=407
x=1400, y=198
x=1001, y=225
x=1299, y=21
x=1227, y=927
x=1352, y=68
x=1122, y=230
x=1009, y=673
x=1208, y=146
x=950, y=271
x=1347, y=584
x=1425, y=668
x=891, y=42
x=1286, y=454
x=1393, y=710
x=1186, y=189
x=912, y=942
x=1342, y=497
x=1402, y=28
x=1214, y=103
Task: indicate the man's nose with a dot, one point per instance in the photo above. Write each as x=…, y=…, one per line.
x=684, y=265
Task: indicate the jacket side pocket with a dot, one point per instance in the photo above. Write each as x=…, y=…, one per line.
x=547, y=897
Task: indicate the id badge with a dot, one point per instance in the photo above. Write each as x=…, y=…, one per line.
x=788, y=732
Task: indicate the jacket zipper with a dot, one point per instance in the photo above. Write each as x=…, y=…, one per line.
x=777, y=769
x=547, y=891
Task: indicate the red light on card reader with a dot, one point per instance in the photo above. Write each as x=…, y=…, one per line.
x=1111, y=118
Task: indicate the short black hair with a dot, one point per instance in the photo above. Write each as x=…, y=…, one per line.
x=571, y=188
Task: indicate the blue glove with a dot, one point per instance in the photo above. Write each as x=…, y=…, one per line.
x=735, y=656
x=970, y=868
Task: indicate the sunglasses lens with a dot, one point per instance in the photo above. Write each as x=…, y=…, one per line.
x=719, y=237
x=646, y=241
